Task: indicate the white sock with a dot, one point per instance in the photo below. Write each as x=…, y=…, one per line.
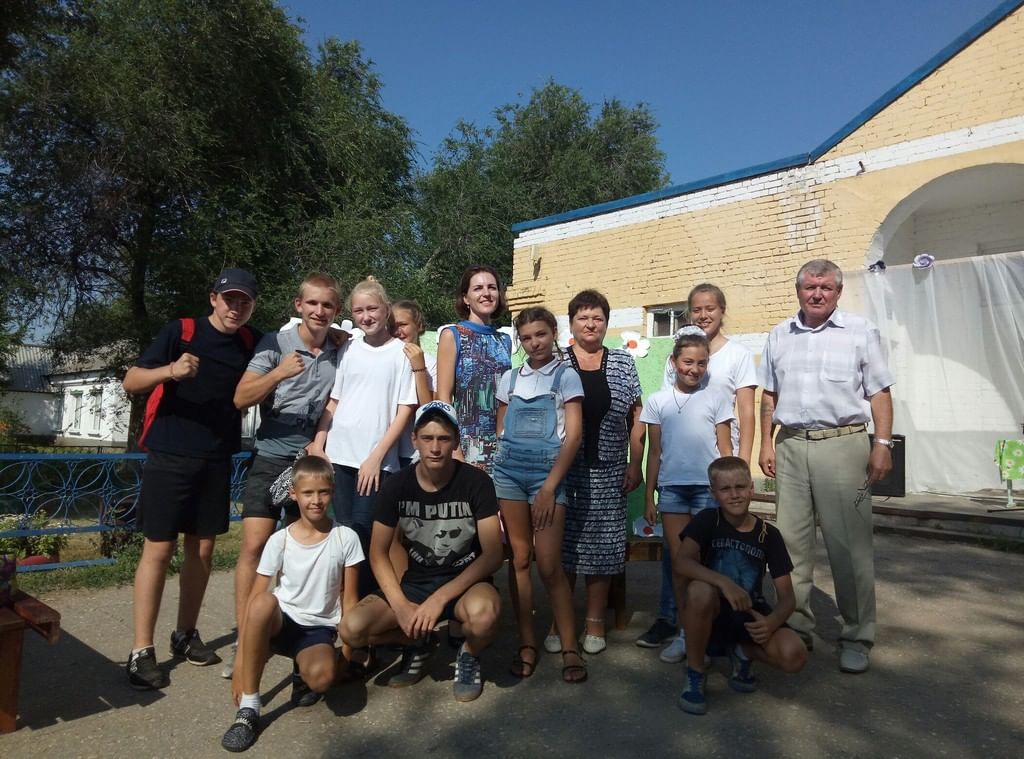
x=250, y=701
x=139, y=650
x=740, y=653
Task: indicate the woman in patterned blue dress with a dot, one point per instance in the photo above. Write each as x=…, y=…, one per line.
x=471, y=357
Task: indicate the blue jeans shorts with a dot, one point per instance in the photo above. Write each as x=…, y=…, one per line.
x=685, y=499
x=518, y=475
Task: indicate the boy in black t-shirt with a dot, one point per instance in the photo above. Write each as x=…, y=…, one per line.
x=723, y=558
x=192, y=429
x=447, y=515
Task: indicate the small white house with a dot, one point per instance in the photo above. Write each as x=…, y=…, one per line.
x=79, y=403
x=27, y=390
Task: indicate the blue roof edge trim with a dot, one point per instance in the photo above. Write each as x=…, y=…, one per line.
x=929, y=67
x=996, y=15
x=666, y=192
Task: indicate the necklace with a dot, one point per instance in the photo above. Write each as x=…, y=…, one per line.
x=680, y=406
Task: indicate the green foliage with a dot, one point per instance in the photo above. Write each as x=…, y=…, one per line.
x=11, y=425
x=152, y=142
x=32, y=545
x=547, y=156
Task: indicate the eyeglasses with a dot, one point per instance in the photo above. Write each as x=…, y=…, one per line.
x=862, y=493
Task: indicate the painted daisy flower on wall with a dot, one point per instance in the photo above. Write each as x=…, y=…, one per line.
x=637, y=345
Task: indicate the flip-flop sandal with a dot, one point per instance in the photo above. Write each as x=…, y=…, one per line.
x=360, y=670
x=522, y=668
x=571, y=672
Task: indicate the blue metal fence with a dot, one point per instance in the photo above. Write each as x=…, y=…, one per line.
x=90, y=493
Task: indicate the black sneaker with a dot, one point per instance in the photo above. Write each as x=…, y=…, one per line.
x=302, y=694
x=143, y=671
x=467, y=686
x=661, y=632
x=190, y=647
x=414, y=665
x=242, y=733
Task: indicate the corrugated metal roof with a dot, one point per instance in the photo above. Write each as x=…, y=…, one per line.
x=28, y=368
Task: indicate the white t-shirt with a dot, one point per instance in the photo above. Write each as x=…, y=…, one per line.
x=688, y=439
x=371, y=383
x=405, y=449
x=309, y=588
x=534, y=382
x=729, y=368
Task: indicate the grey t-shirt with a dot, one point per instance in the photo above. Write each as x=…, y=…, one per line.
x=289, y=415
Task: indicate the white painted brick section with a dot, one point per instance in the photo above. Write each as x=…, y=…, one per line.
x=901, y=154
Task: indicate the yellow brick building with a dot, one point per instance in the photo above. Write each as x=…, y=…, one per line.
x=935, y=165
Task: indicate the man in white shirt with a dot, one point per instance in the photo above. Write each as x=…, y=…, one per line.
x=824, y=379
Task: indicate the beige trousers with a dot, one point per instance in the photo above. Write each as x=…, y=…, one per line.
x=820, y=479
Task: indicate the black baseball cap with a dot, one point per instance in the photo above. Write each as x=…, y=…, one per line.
x=235, y=280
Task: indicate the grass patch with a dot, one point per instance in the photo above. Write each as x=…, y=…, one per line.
x=122, y=571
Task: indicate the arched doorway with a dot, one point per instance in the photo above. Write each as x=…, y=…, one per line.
x=954, y=331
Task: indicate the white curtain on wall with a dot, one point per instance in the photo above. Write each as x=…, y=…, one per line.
x=954, y=334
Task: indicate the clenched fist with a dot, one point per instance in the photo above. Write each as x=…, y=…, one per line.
x=186, y=367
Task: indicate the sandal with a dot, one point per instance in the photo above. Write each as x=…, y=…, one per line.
x=360, y=670
x=521, y=667
x=574, y=673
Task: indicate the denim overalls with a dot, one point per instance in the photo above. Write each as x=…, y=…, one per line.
x=529, y=443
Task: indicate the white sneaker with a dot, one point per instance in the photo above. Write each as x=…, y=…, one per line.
x=675, y=651
x=229, y=662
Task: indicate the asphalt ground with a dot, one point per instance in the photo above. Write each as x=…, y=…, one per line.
x=946, y=679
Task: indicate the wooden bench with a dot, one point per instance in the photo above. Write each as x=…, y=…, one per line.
x=29, y=612
x=649, y=549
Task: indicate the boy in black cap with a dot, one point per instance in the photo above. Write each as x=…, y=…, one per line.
x=447, y=514
x=191, y=430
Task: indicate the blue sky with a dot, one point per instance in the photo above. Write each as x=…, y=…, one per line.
x=731, y=83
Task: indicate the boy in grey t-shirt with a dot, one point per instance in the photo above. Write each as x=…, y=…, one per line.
x=290, y=377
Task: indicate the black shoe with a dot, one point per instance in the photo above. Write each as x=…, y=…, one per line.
x=190, y=647
x=661, y=632
x=143, y=672
x=302, y=694
x=414, y=665
x=242, y=733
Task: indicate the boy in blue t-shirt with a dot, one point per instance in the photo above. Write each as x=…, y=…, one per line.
x=724, y=555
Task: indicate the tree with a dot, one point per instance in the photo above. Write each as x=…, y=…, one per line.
x=547, y=156
x=149, y=143
x=146, y=144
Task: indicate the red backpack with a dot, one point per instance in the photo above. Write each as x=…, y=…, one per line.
x=188, y=331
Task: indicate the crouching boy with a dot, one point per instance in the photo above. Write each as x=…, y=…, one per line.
x=447, y=515
x=316, y=563
x=723, y=558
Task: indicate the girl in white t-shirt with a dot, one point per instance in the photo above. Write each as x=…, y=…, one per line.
x=371, y=403
x=731, y=367
x=688, y=427
x=540, y=428
x=409, y=326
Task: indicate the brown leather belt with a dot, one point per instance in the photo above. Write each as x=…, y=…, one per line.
x=825, y=434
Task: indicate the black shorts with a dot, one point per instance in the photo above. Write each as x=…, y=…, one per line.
x=419, y=590
x=728, y=628
x=256, y=501
x=293, y=637
x=183, y=494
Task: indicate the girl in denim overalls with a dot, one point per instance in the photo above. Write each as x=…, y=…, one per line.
x=540, y=428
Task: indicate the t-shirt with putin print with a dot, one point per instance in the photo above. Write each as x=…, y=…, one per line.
x=439, y=530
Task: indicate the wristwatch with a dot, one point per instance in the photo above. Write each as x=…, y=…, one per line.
x=886, y=443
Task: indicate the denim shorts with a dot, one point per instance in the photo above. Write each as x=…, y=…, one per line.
x=518, y=475
x=685, y=499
